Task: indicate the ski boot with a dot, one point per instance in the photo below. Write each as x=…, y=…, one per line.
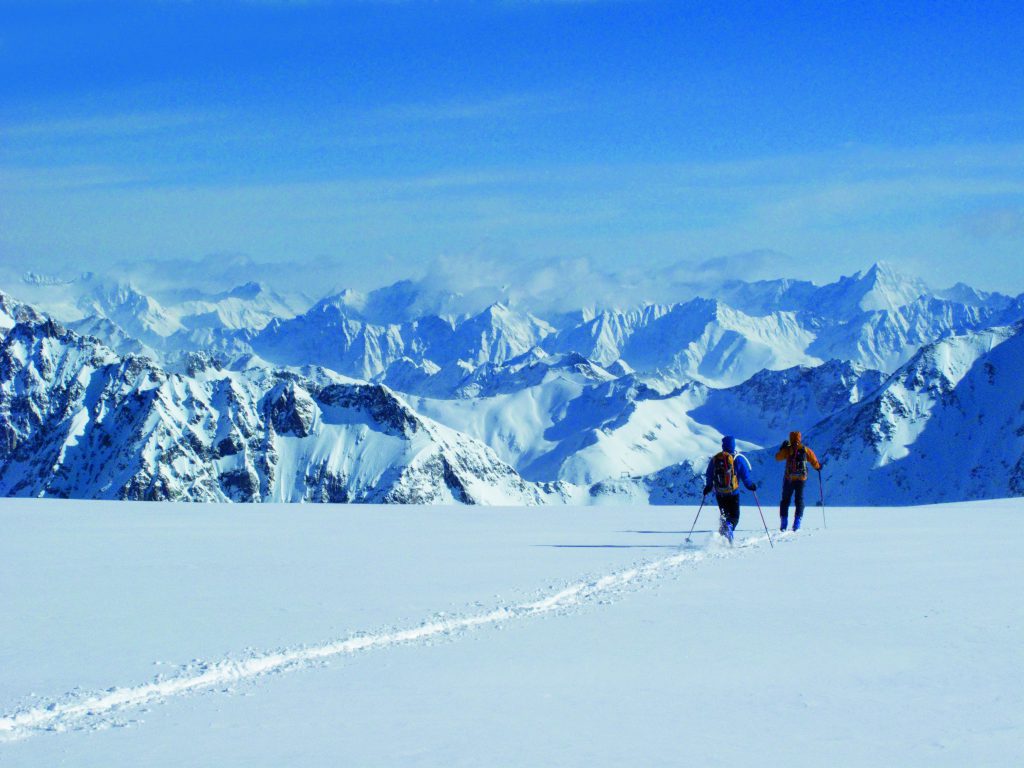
x=796, y=522
x=784, y=522
x=727, y=531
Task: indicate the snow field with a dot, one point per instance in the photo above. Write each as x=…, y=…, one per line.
x=90, y=711
x=879, y=641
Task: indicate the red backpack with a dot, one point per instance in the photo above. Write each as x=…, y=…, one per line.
x=724, y=473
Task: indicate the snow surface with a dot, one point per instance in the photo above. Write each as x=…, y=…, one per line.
x=324, y=635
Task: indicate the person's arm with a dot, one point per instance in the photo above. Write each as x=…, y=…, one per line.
x=813, y=459
x=707, y=477
x=744, y=471
x=783, y=453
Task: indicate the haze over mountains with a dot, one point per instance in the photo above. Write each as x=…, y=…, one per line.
x=412, y=393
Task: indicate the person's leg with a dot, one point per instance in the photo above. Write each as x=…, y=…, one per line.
x=732, y=515
x=787, y=495
x=722, y=501
x=798, y=488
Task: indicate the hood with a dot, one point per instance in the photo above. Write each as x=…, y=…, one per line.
x=795, y=438
x=729, y=444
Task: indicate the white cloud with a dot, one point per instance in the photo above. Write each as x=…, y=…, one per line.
x=107, y=125
x=502, y=106
x=606, y=226
x=1001, y=221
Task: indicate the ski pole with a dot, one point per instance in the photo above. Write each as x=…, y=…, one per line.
x=821, y=492
x=762, y=518
x=702, y=499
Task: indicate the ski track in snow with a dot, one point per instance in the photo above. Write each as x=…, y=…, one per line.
x=100, y=710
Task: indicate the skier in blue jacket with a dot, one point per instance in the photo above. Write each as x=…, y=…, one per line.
x=724, y=473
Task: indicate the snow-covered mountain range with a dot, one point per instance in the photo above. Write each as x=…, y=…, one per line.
x=408, y=393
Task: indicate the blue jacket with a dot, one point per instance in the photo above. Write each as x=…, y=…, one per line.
x=742, y=472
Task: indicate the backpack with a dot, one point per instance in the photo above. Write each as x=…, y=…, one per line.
x=796, y=464
x=724, y=473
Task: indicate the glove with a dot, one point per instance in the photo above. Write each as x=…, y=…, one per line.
x=707, y=489
x=785, y=444
x=752, y=486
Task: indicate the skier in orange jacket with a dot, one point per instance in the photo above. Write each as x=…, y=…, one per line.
x=797, y=456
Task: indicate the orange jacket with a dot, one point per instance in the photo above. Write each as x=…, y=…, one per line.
x=788, y=452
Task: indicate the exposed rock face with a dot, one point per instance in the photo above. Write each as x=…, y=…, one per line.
x=13, y=312
x=290, y=410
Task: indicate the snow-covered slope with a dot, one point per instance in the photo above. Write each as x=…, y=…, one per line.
x=78, y=421
x=700, y=339
x=249, y=306
x=948, y=425
x=329, y=334
x=139, y=315
x=603, y=337
x=877, y=319
x=710, y=342
x=565, y=418
x=962, y=293
x=769, y=405
x=325, y=335
x=13, y=312
x=97, y=305
x=268, y=636
x=495, y=335
x=562, y=417
x=760, y=413
x=409, y=300
x=112, y=335
x=885, y=339
x=762, y=297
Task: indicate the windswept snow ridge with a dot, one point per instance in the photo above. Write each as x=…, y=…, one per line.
x=100, y=710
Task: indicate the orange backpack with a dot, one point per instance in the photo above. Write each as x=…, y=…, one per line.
x=724, y=473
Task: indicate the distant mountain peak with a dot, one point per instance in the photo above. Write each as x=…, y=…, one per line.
x=883, y=272
x=879, y=288
x=497, y=309
x=966, y=294
x=882, y=267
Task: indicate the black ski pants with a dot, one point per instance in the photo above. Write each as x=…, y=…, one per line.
x=729, y=508
x=791, y=488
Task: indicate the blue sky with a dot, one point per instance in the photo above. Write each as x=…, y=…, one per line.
x=391, y=138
